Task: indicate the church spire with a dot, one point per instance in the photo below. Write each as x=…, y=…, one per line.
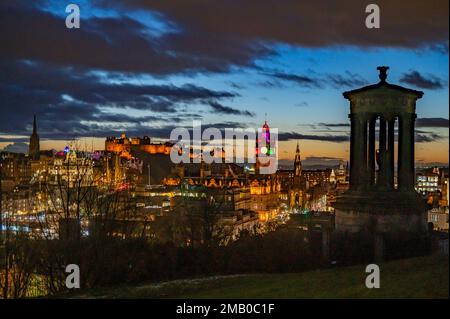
x=33, y=147
x=297, y=161
x=297, y=152
x=34, y=125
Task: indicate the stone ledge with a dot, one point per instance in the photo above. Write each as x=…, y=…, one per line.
x=381, y=202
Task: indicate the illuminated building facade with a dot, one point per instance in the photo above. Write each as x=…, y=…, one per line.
x=428, y=181
x=16, y=169
x=319, y=176
x=17, y=202
x=439, y=217
x=77, y=171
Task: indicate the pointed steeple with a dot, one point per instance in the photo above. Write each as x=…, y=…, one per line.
x=33, y=147
x=34, y=125
x=297, y=152
x=297, y=161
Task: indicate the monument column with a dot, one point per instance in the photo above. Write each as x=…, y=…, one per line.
x=390, y=154
x=358, y=151
x=360, y=154
x=382, y=153
x=364, y=177
x=406, y=152
x=371, y=155
x=353, y=177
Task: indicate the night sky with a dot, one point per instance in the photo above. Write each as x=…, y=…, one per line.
x=144, y=67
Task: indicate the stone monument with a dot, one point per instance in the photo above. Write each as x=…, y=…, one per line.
x=375, y=203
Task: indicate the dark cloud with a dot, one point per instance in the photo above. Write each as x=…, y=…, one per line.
x=302, y=80
x=271, y=84
x=308, y=23
x=221, y=109
x=334, y=124
x=349, y=80
x=212, y=36
x=418, y=80
x=420, y=135
x=312, y=80
x=164, y=133
x=71, y=103
x=420, y=122
x=223, y=125
x=85, y=86
x=286, y=136
x=440, y=47
x=118, y=44
x=432, y=122
x=236, y=86
x=14, y=139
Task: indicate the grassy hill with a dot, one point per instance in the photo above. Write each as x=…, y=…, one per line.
x=424, y=277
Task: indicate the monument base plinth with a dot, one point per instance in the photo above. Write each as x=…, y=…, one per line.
x=380, y=212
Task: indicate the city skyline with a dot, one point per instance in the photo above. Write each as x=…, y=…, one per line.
x=172, y=149
x=222, y=75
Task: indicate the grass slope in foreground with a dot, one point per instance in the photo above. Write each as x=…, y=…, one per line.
x=423, y=277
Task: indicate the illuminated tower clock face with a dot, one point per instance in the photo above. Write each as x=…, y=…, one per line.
x=264, y=150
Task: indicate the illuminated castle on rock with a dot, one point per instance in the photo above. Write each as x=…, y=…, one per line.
x=125, y=146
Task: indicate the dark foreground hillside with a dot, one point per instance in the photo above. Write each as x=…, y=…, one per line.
x=423, y=277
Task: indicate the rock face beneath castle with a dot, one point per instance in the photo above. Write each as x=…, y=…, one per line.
x=381, y=200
